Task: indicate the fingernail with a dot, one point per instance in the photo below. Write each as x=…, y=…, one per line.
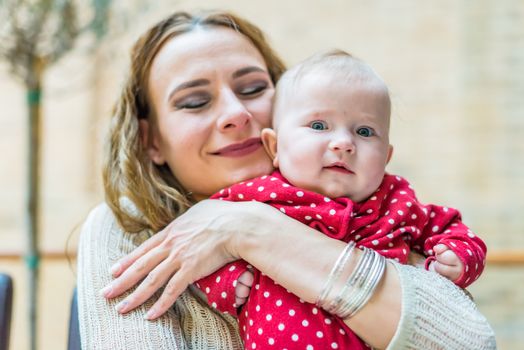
x=115, y=269
x=120, y=307
x=106, y=291
x=151, y=314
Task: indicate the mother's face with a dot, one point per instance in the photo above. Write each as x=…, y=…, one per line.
x=211, y=95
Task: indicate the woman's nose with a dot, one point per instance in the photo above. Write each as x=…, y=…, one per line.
x=234, y=114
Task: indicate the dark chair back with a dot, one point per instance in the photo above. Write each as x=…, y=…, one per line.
x=6, y=307
x=73, y=342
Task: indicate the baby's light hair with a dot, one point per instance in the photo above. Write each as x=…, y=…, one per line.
x=346, y=67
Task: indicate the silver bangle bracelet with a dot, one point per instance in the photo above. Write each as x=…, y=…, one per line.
x=360, y=285
x=335, y=273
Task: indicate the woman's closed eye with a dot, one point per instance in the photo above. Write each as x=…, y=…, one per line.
x=365, y=131
x=193, y=101
x=253, y=89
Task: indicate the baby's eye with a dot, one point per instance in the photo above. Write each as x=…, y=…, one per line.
x=318, y=125
x=365, y=132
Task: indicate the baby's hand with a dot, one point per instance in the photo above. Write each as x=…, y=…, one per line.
x=245, y=281
x=447, y=263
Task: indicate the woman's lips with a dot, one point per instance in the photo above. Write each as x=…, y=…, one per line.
x=240, y=149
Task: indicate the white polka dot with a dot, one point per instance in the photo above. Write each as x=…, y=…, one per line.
x=327, y=320
x=332, y=212
x=273, y=195
x=326, y=199
x=208, y=290
x=249, y=184
x=241, y=196
x=313, y=205
x=467, y=268
x=223, y=295
x=266, y=294
x=319, y=216
x=269, y=317
x=320, y=334
x=300, y=193
x=260, y=331
x=264, y=177
x=469, y=252
x=307, y=217
x=357, y=237
x=260, y=188
x=391, y=221
x=305, y=323
x=409, y=204
x=253, y=346
x=375, y=242
x=309, y=347
x=404, y=251
x=285, y=185
x=250, y=322
x=390, y=245
x=232, y=268
x=314, y=310
x=273, y=179
x=386, y=213
x=414, y=216
x=257, y=308
x=435, y=228
x=425, y=211
x=432, y=215
x=279, y=302
x=334, y=345
x=291, y=312
x=445, y=209
x=471, y=235
x=271, y=341
x=281, y=327
x=402, y=192
x=369, y=211
x=294, y=337
x=394, y=200
x=213, y=304
x=257, y=286
x=218, y=279
x=374, y=198
x=389, y=235
x=400, y=212
x=341, y=331
x=379, y=231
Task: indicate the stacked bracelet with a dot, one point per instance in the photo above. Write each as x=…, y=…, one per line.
x=358, y=288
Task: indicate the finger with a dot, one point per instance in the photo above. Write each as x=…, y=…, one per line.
x=134, y=273
x=153, y=282
x=448, y=258
x=246, y=278
x=176, y=286
x=123, y=264
x=242, y=291
x=240, y=301
x=451, y=272
x=440, y=248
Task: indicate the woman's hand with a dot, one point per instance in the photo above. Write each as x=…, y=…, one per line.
x=193, y=246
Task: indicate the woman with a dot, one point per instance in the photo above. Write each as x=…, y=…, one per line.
x=187, y=124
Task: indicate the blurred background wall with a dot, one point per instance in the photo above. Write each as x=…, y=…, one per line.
x=456, y=74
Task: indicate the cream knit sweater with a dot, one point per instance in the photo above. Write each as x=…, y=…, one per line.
x=435, y=314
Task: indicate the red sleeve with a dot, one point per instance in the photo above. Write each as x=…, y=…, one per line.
x=219, y=287
x=444, y=226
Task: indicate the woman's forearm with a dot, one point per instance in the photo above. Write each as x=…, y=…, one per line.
x=410, y=308
x=300, y=259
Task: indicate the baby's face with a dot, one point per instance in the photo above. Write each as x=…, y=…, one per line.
x=333, y=136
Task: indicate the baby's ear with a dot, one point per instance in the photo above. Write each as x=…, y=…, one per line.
x=150, y=142
x=269, y=140
x=390, y=153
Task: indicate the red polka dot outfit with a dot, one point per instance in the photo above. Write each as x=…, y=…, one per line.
x=391, y=221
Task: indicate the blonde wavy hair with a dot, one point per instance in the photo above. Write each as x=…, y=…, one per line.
x=128, y=172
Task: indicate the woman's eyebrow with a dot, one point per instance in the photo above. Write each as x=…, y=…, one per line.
x=247, y=70
x=187, y=85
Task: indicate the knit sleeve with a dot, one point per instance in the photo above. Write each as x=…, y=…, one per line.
x=189, y=324
x=436, y=314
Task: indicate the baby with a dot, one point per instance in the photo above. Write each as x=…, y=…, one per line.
x=330, y=143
